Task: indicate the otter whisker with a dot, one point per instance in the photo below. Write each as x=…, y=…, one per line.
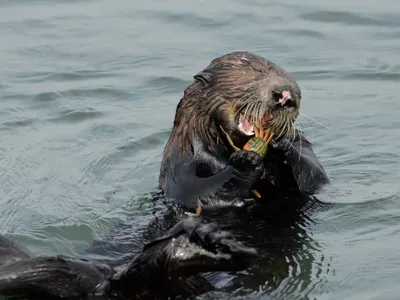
x=246, y=98
x=300, y=150
x=239, y=109
x=248, y=102
x=260, y=113
x=285, y=129
x=247, y=111
x=243, y=104
x=284, y=125
x=293, y=138
x=256, y=114
x=256, y=120
x=248, y=107
x=280, y=126
x=308, y=127
x=254, y=108
x=291, y=132
x=312, y=119
x=300, y=124
x=263, y=109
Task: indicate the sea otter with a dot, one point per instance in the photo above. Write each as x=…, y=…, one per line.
x=235, y=94
x=166, y=267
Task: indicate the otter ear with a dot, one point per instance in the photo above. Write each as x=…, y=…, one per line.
x=204, y=77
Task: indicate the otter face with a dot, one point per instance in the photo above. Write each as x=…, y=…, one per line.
x=272, y=105
x=238, y=92
x=255, y=93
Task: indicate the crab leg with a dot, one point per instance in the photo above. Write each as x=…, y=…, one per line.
x=198, y=210
x=260, y=132
x=230, y=140
x=256, y=131
x=268, y=136
x=256, y=193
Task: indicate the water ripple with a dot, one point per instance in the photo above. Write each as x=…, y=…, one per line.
x=64, y=76
x=168, y=84
x=147, y=142
x=88, y=98
x=73, y=116
x=372, y=76
x=110, y=93
x=301, y=32
x=188, y=19
x=47, y=96
x=348, y=18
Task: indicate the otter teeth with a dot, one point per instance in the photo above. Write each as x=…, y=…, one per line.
x=245, y=125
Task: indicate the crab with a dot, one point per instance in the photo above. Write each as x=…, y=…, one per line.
x=258, y=143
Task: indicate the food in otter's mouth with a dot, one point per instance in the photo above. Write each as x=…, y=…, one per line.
x=258, y=143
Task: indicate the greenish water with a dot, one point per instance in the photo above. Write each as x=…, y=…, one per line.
x=88, y=93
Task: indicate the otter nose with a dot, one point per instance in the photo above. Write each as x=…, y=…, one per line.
x=285, y=99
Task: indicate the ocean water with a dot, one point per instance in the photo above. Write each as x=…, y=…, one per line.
x=88, y=91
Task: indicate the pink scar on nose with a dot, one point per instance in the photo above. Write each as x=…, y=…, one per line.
x=285, y=96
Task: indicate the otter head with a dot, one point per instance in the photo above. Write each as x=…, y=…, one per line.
x=255, y=93
x=237, y=91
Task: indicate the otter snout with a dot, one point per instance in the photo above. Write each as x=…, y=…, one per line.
x=284, y=99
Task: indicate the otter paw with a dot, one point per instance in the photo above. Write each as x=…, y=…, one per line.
x=248, y=162
x=204, y=247
x=221, y=242
x=283, y=145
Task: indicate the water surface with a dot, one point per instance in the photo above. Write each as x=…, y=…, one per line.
x=88, y=93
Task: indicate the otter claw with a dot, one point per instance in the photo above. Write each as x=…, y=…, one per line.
x=198, y=210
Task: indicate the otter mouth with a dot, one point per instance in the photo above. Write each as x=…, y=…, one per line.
x=247, y=127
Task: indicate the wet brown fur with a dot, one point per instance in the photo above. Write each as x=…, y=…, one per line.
x=219, y=91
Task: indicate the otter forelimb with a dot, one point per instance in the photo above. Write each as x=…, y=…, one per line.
x=259, y=143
